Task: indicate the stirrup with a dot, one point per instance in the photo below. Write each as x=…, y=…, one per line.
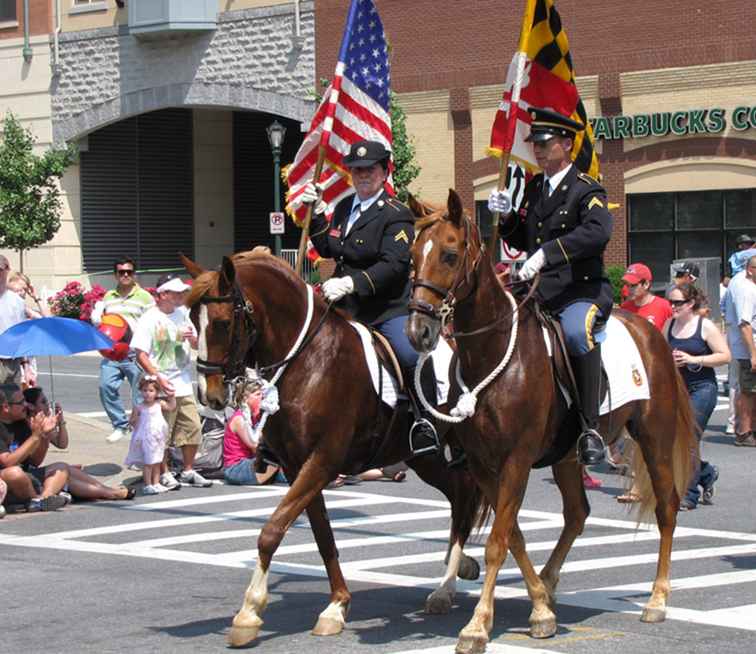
x=423, y=427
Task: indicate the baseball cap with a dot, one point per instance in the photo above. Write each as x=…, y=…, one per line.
x=636, y=273
x=744, y=239
x=688, y=268
x=171, y=282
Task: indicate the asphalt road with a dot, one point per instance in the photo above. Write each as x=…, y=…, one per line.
x=168, y=573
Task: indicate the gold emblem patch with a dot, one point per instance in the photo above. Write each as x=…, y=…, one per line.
x=361, y=151
x=595, y=202
x=402, y=236
x=637, y=379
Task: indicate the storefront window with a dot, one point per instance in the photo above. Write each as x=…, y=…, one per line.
x=7, y=10
x=691, y=224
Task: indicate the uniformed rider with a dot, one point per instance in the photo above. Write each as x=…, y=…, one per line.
x=564, y=225
x=369, y=237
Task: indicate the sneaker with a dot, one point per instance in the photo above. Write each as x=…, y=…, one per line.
x=117, y=434
x=195, y=479
x=730, y=428
x=161, y=488
x=151, y=489
x=745, y=440
x=708, y=490
x=51, y=503
x=67, y=497
x=2, y=511
x=169, y=481
x=687, y=505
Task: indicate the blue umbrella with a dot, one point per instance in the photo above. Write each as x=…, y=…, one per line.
x=51, y=336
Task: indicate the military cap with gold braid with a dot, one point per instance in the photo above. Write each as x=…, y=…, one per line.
x=546, y=124
x=365, y=154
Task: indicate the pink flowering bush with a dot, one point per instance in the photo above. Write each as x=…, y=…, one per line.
x=73, y=301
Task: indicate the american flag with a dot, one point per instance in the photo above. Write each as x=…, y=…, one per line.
x=354, y=107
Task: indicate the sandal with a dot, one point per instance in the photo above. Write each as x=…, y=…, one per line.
x=628, y=498
x=398, y=476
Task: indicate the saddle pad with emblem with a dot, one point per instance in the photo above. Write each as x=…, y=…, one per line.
x=623, y=365
x=389, y=393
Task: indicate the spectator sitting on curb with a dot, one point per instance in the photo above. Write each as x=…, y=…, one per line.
x=39, y=491
x=162, y=341
x=240, y=443
x=130, y=301
x=80, y=485
x=3, y=493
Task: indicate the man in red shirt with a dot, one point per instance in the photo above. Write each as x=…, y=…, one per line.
x=641, y=300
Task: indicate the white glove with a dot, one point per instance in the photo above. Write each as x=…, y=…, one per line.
x=312, y=193
x=500, y=201
x=532, y=265
x=337, y=287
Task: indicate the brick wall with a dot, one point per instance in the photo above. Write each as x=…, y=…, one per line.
x=462, y=45
x=40, y=20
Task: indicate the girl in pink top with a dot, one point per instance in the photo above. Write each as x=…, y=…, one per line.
x=240, y=443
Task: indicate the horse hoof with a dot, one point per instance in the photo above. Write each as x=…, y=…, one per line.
x=543, y=629
x=327, y=627
x=439, y=602
x=468, y=568
x=653, y=615
x=471, y=645
x=241, y=636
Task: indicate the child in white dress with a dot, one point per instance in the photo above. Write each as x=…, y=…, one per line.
x=150, y=431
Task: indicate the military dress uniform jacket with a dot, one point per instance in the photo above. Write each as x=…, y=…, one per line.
x=375, y=254
x=572, y=226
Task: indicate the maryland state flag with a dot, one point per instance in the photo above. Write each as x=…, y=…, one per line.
x=541, y=75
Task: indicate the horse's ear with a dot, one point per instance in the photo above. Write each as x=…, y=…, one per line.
x=228, y=272
x=194, y=269
x=417, y=208
x=454, y=207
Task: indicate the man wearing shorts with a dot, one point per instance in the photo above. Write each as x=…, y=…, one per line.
x=740, y=315
x=163, y=340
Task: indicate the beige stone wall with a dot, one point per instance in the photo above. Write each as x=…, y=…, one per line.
x=429, y=126
x=701, y=174
x=24, y=91
x=105, y=13
x=213, y=186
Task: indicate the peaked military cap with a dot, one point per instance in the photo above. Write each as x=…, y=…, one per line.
x=546, y=124
x=366, y=153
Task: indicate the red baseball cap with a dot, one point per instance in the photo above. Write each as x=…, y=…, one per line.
x=636, y=273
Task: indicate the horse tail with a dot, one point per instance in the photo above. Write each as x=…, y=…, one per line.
x=685, y=448
x=483, y=511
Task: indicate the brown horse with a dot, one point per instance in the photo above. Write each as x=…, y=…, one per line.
x=330, y=419
x=518, y=415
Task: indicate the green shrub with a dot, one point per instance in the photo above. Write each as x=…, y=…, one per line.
x=614, y=273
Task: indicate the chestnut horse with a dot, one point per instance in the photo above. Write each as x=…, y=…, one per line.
x=330, y=420
x=517, y=416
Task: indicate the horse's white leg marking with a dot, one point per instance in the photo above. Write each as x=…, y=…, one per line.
x=247, y=621
x=202, y=351
x=332, y=620
x=440, y=600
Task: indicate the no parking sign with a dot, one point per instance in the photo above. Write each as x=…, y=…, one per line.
x=277, y=222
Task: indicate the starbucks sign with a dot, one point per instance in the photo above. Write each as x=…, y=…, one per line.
x=677, y=123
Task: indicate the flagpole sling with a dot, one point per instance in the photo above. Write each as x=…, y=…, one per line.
x=522, y=56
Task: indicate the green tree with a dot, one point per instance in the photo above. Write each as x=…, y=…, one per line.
x=406, y=170
x=29, y=192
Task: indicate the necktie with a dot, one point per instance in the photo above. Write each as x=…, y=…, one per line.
x=546, y=189
x=356, y=212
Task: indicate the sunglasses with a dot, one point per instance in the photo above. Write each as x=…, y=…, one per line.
x=123, y=272
x=678, y=303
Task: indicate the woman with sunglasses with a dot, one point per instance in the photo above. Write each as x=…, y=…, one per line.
x=697, y=348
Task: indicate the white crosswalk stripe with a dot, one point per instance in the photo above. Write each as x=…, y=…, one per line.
x=208, y=530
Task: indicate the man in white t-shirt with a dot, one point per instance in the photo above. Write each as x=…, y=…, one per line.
x=163, y=340
x=12, y=312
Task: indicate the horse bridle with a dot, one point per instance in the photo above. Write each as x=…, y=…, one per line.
x=234, y=364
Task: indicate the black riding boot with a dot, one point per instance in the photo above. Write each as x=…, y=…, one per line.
x=587, y=368
x=423, y=437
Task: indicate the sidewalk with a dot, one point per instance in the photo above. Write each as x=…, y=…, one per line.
x=87, y=447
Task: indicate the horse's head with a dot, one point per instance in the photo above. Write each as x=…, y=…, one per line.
x=444, y=254
x=225, y=328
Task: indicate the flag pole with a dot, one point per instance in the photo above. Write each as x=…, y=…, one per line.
x=522, y=55
x=301, y=252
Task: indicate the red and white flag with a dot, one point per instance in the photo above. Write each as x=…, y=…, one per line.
x=355, y=107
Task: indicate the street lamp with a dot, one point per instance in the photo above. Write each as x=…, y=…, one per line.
x=276, y=134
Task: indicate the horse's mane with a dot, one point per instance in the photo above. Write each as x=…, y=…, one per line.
x=259, y=254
